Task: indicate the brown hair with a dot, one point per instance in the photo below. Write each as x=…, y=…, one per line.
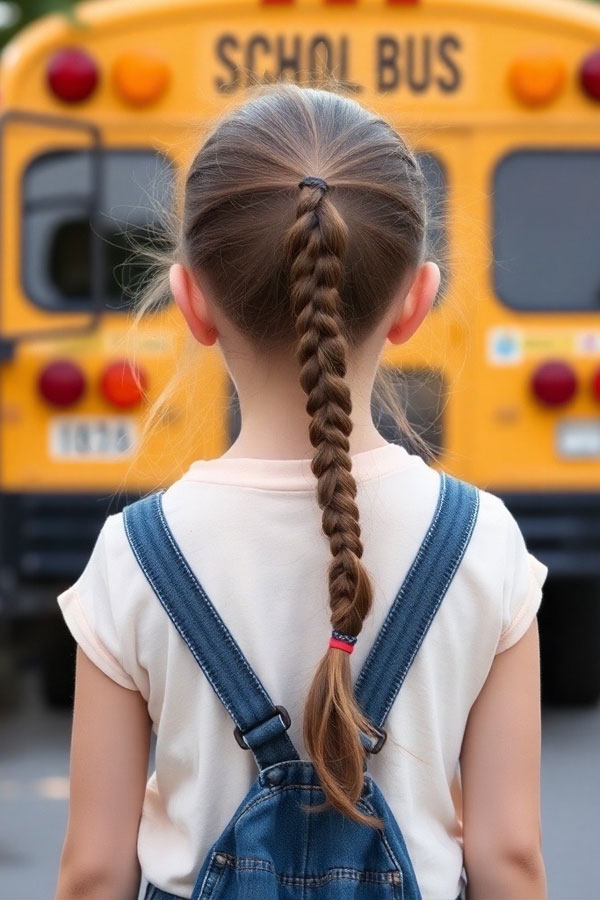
x=312, y=270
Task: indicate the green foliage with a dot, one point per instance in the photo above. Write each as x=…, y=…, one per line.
x=29, y=10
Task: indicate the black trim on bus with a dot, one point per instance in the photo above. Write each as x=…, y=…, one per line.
x=561, y=529
x=48, y=538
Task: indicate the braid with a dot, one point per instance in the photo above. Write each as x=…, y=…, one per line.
x=316, y=244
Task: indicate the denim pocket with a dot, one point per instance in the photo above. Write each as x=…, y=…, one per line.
x=256, y=879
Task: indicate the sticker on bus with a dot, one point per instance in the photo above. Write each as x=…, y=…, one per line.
x=509, y=346
x=505, y=346
x=588, y=343
x=578, y=439
x=92, y=438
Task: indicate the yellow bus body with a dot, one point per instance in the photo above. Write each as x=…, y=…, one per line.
x=462, y=110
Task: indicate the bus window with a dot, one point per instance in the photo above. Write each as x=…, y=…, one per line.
x=137, y=184
x=547, y=223
x=436, y=195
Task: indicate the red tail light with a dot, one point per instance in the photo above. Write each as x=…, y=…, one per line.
x=72, y=75
x=123, y=384
x=596, y=384
x=554, y=383
x=589, y=75
x=61, y=383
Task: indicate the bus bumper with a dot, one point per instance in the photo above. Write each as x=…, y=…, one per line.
x=45, y=543
x=561, y=529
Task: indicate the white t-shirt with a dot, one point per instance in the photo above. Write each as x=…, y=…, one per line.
x=251, y=532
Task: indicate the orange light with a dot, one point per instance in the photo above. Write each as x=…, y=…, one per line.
x=537, y=79
x=140, y=78
x=123, y=384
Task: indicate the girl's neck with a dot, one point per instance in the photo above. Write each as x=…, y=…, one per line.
x=256, y=444
x=275, y=425
x=272, y=402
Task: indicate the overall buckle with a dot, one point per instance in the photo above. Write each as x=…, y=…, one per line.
x=281, y=712
x=376, y=747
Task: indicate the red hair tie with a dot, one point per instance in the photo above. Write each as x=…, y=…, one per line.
x=341, y=641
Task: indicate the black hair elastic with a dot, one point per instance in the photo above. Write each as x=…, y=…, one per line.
x=314, y=181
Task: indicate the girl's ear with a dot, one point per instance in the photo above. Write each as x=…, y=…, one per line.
x=417, y=303
x=191, y=301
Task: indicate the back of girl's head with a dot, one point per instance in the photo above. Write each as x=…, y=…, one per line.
x=312, y=268
x=242, y=200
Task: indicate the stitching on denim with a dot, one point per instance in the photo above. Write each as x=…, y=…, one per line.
x=206, y=874
x=392, y=856
x=156, y=893
x=269, y=793
x=209, y=606
x=268, y=737
x=207, y=669
x=300, y=763
x=218, y=872
x=449, y=574
x=472, y=496
x=141, y=558
x=334, y=873
x=405, y=584
x=308, y=823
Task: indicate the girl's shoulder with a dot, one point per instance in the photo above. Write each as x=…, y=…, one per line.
x=500, y=564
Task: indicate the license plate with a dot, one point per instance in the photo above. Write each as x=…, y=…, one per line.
x=579, y=439
x=92, y=438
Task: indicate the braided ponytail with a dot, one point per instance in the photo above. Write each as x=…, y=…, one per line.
x=316, y=244
x=277, y=259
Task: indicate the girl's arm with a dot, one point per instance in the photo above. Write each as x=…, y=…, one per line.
x=108, y=771
x=500, y=773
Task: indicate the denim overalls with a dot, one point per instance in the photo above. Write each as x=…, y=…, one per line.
x=272, y=849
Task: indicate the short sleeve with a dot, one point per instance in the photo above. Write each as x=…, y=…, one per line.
x=524, y=578
x=87, y=611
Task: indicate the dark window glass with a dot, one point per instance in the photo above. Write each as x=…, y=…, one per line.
x=57, y=237
x=437, y=202
x=547, y=230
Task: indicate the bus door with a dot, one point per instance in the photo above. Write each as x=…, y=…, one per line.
x=536, y=391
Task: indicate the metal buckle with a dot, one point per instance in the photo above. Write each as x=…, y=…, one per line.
x=366, y=740
x=281, y=711
x=380, y=742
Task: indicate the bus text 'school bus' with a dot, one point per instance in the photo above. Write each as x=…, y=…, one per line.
x=100, y=116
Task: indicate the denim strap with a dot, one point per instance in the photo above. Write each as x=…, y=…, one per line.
x=418, y=599
x=260, y=725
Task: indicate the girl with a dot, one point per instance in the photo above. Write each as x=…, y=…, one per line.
x=301, y=251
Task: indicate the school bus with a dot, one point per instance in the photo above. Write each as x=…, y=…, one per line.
x=100, y=114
